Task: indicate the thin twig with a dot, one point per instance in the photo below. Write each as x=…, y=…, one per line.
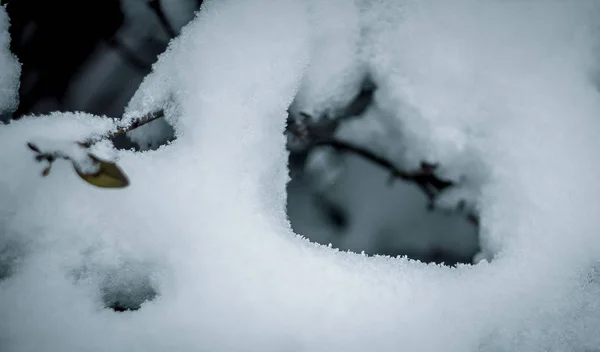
x=122, y=130
x=347, y=147
x=425, y=177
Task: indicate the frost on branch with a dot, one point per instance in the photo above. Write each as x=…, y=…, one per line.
x=496, y=90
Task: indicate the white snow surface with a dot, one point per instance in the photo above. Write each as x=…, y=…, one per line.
x=497, y=90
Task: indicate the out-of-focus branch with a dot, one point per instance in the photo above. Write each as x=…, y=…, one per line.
x=156, y=7
x=128, y=55
x=424, y=177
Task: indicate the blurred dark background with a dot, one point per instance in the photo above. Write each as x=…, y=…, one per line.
x=89, y=55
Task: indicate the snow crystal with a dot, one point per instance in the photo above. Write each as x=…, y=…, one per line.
x=499, y=88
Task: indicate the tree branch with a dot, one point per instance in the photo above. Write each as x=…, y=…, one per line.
x=128, y=55
x=123, y=130
x=156, y=7
x=424, y=177
x=100, y=173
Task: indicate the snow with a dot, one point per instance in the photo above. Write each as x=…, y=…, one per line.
x=10, y=69
x=499, y=90
x=336, y=73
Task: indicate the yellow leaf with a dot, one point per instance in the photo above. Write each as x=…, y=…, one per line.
x=109, y=175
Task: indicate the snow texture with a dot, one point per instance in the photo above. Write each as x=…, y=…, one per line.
x=500, y=91
x=10, y=69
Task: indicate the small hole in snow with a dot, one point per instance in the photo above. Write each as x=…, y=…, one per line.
x=124, y=287
x=128, y=296
x=128, y=288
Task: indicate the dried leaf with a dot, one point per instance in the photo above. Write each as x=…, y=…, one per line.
x=109, y=175
x=46, y=171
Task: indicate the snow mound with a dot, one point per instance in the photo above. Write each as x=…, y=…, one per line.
x=200, y=239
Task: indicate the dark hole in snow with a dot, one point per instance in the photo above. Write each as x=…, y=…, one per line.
x=127, y=293
x=128, y=297
x=125, y=287
x=122, y=287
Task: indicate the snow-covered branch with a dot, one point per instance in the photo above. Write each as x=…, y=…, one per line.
x=89, y=167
